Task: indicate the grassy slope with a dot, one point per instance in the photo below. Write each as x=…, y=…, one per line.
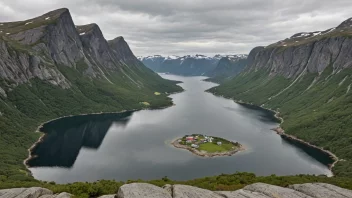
x=28, y=105
x=213, y=147
x=40, y=102
x=320, y=115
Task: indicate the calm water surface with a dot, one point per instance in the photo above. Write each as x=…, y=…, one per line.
x=135, y=145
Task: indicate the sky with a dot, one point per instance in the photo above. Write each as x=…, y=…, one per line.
x=182, y=27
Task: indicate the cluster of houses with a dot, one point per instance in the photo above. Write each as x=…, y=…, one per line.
x=195, y=141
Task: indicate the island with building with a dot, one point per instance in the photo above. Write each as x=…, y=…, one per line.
x=207, y=146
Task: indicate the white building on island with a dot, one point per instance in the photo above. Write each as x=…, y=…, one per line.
x=219, y=143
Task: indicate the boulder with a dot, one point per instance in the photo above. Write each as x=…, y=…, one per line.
x=275, y=191
x=321, y=190
x=61, y=195
x=138, y=190
x=33, y=192
x=168, y=188
x=241, y=194
x=183, y=191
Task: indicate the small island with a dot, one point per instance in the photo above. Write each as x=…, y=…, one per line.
x=207, y=146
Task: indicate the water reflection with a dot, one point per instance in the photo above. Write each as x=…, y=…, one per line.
x=65, y=137
x=315, y=153
x=136, y=145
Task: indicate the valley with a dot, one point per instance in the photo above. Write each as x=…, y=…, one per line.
x=308, y=83
x=225, y=106
x=143, y=141
x=218, y=67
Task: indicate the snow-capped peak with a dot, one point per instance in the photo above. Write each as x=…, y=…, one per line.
x=196, y=56
x=172, y=57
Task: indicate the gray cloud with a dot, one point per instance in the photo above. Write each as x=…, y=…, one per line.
x=192, y=26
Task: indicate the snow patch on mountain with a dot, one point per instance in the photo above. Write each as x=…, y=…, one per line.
x=197, y=56
x=172, y=57
x=28, y=23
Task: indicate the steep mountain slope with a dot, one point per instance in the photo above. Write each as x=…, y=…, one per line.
x=307, y=78
x=189, y=65
x=50, y=68
x=228, y=67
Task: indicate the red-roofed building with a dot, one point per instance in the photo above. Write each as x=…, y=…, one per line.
x=190, y=138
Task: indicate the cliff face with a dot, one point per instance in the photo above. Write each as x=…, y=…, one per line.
x=229, y=66
x=309, y=52
x=36, y=48
x=96, y=49
x=308, y=79
x=122, y=50
x=51, y=68
x=31, y=48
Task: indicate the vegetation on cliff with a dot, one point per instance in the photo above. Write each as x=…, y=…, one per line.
x=60, y=75
x=316, y=107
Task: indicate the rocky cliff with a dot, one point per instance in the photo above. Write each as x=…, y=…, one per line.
x=143, y=190
x=36, y=47
x=228, y=67
x=309, y=52
x=51, y=68
x=307, y=78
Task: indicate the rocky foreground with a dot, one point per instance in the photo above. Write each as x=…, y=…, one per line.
x=257, y=190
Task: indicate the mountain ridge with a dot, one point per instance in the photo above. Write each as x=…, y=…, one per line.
x=50, y=68
x=189, y=65
x=308, y=82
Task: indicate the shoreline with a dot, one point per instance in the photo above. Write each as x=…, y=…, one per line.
x=204, y=153
x=42, y=136
x=280, y=131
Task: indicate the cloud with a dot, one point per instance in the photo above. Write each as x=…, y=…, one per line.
x=192, y=26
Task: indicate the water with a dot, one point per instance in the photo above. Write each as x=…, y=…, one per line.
x=136, y=145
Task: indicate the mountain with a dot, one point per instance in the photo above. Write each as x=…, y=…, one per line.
x=51, y=68
x=307, y=78
x=228, y=67
x=152, y=62
x=189, y=65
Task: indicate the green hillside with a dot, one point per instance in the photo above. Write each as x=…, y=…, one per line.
x=315, y=108
x=30, y=104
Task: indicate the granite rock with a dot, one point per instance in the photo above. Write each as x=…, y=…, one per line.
x=138, y=190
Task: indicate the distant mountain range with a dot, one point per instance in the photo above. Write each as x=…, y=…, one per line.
x=190, y=65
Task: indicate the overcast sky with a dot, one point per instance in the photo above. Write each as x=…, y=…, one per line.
x=179, y=27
